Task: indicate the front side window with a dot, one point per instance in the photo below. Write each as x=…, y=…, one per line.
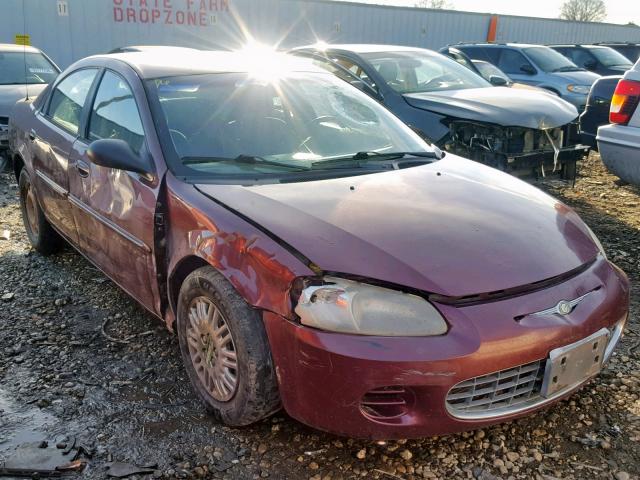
x=548, y=60
x=512, y=61
x=415, y=71
x=581, y=57
x=18, y=68
x=69, y=97
x=355, y=69
x=610, y=58
x=115, y=113
x=234, y=125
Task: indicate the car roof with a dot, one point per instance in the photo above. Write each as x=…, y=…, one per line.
x=517, y=45
x=12, y=47
x=157, y=63
x=145, y=48
x=363, y=48
x=578, y=45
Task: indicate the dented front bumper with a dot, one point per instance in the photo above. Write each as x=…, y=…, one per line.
x=397, y=387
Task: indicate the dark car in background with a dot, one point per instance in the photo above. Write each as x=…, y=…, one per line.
x=596, y=113
x=537, y=65
x=24, y=72
x=524, y=132
x=595, y=58
x=310, y=250
x=629, y=50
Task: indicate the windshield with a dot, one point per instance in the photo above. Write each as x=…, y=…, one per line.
x=609, y=57
x=234, y=125
x=38, y=69
x=549, y=60
x=414, y=71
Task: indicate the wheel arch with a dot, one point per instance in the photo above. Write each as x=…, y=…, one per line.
x=551, y=89
x=18, y=165
x=176, y=278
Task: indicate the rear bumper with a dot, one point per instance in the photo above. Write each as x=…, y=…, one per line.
x=325, y=377
x=619, y=147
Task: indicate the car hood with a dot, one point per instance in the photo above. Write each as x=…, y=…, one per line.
x=579, y=78
x=10, y=94
x=498, y=105
x=454, y=227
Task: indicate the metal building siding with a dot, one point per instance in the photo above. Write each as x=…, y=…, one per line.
x=538, y=30
x=90, y=27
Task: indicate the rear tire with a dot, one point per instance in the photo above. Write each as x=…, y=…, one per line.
x=232, y=372
x=42, y=236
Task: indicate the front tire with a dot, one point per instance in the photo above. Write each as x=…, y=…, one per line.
x=225, y=350
x=42, y=236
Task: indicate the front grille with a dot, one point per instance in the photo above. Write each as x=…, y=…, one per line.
x=498, y=393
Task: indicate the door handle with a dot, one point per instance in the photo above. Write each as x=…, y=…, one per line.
x=83, y=168
x=32, y=135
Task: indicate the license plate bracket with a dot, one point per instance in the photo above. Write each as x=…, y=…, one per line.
x=572, y=364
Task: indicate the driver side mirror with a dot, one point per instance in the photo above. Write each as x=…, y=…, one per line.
x=497, y=81
x=117, y=154
x=528, y=69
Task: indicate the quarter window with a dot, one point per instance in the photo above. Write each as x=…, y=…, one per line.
x=68, y=98
x=115, y=113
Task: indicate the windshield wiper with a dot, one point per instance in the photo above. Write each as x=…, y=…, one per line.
x=244, y=159
x=364, y=157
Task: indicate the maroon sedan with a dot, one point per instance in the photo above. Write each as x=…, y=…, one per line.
x=310, y=250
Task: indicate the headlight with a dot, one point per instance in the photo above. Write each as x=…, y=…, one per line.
x=581, y=89
x=345, y=306
x=597, y=242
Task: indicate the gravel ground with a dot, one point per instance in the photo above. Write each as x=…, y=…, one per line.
x=126, y=398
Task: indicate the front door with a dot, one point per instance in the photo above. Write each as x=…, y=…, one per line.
x=51, y=139
x=114, y=209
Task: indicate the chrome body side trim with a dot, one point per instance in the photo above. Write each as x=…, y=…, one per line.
x=113, y=226
x=53, y=185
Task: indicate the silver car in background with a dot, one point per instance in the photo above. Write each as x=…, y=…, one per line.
x=539, y=66
x=24, y=71
x=619, y=142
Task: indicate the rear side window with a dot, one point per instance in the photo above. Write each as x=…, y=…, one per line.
x=69, y=97
x=115, y=113
x=511, y=61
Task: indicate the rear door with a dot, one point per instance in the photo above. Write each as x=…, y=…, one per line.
x=56, y=128
x=114, y=209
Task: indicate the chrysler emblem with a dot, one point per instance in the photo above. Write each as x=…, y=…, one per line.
x=563, y=307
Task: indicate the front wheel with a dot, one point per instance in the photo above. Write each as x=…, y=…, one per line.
x=225, y=350
x=41, y=234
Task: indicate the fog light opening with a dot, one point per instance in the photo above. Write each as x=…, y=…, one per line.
x=386, y=404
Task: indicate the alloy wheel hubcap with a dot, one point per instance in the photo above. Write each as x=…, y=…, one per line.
x=30, y=209
x=212, y=350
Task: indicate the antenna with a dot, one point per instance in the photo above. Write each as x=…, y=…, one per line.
x=24, y=49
